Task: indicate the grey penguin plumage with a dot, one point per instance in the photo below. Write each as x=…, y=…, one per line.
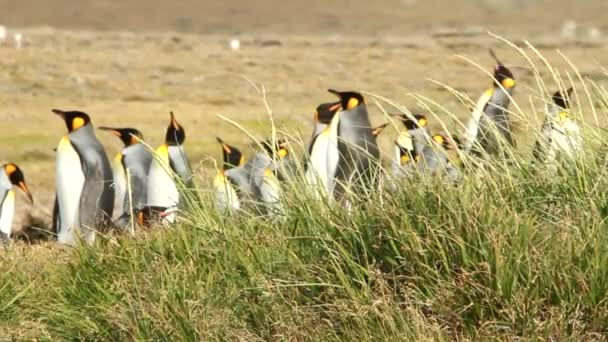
x=85, y=196
x=10, y=176
x=489, y=127
x=359, y=156
x=136, y=158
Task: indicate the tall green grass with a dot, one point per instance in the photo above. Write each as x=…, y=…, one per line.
x=516, y=249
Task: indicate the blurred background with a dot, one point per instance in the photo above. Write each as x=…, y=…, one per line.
x=307, y=16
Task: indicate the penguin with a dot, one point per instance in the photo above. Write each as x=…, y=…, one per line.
x=136, y=158
x=316, y=171
x=10, y=176
x=405, y=156
x=418, y=129
x=284, y=165
x=490, y=125
x=174, y=139
x=168, y=165
x=85, y=197
x=435, y=159
x=358, y=153
x=560, y=135
x=226, y=197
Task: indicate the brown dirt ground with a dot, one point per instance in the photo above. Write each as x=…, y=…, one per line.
x=296, y=50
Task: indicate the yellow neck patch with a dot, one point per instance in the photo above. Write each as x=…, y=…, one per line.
x=508, y=83
x=404, y=159
x=242, y=161
x=352, y=103
x=10, y=168
x=77, y=123
x=422, y=122
x=438, y=139
x=163, y=151
x=283, y=153
x=563, y=116
x=134, y=140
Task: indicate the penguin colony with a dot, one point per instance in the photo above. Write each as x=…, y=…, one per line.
x=142, y=185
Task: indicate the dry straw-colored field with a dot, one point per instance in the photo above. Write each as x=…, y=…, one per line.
x=128, y=79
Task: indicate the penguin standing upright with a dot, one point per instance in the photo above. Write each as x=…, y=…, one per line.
x=358, y=162
x=489, y=127
x=169, y=160
x=174, y=139
x=560, y=135
x=136, y=158
x=85, y=196
x=10, y=176
x=225, y=193
x=316, y=173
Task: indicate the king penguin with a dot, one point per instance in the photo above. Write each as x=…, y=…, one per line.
x=489, y=127
x=358, y=154
x=560, y=135
x=136, y=158
x=225, y=193
x=316, y=174
x=85, y=196
x=174, y=139
x=10, y=176
x=417, y=128
x=435, y=159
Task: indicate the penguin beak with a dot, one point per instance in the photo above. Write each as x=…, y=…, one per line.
x=111, y=130
x=23, y=187
x=224, y=145
x=376, y=131
x=173, y=121
x=335, y=107
x=59, y=112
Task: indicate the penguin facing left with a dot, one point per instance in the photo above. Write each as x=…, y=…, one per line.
x=10, y=176
x=85, y=196
x=359, y=156
x=136, y=158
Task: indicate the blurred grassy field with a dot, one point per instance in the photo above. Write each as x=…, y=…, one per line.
x=126, y=79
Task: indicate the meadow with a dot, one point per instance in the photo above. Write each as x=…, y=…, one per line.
x=516, y=250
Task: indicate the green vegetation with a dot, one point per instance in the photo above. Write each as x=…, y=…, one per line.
x=516, y=249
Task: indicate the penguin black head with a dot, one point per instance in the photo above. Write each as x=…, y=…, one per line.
x=232, y=156
x=15, y=175
x=420, y=121
x=279, y=148
x=326, y=111
x=562, y=100
x=73, y=119
x=502, y=75
x=128, y=136
x=175, y=133
x=348, y=99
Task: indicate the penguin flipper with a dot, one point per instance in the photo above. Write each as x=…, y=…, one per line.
x=92, y=215
x=56, y=217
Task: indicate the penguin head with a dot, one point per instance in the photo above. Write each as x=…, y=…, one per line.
x=502, y=75
x=128, y=136
x=231, y=155
x=446, y=141
x=348, y=99
x=279, y=148
x=418, y=121
x=175, y=135
x=15, y=175
x=562, y=100
x=73, y=119
x=407, y=156
x=326, y=111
